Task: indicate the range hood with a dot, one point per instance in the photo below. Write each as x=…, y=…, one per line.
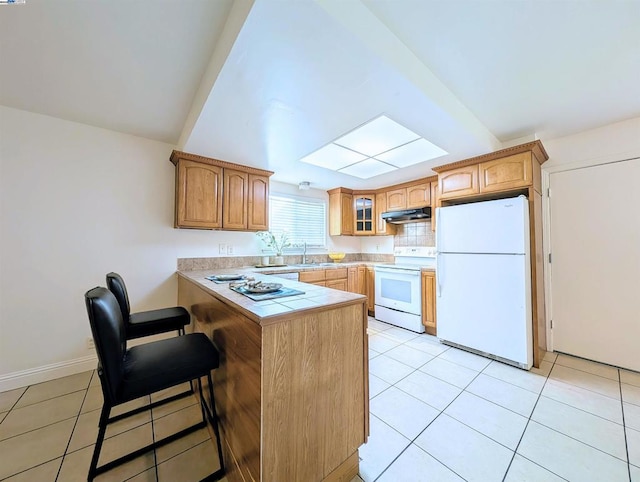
x=407, y=216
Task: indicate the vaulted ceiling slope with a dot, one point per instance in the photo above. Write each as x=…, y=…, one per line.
x=265, y=82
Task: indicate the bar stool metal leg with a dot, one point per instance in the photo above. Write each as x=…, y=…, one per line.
x=102, y=428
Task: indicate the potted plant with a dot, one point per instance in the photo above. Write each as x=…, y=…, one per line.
x=276, y=243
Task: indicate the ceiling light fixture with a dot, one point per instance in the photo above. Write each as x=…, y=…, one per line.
x=376, y=147
x=304, y=185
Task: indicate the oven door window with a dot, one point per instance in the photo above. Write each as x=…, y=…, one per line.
x=394, y=289
x=399, y=291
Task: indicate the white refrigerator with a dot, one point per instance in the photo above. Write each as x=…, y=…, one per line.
x=483, y=279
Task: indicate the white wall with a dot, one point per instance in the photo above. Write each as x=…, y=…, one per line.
x=610, y=143
x=75, y=203
x=377, y=244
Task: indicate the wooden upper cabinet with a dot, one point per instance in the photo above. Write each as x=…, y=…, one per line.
x=419, y=195
x=364, y=214
x=382, y=227
x=214, y=194
x=340, y=211
x=459, y=182
x=489, y=176
x=198, y=195
x=397, y=199
x=258, y=206
x=235, y=199
x=506, y=173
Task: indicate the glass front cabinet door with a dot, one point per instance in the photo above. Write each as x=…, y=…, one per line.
x=364, y=214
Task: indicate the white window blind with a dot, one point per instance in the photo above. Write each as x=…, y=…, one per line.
x=305, y=219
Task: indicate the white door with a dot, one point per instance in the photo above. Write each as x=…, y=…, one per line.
x=500, y=226
x=595, y=271
x=484, y=302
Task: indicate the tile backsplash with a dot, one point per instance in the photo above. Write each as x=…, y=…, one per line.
x=414, y=234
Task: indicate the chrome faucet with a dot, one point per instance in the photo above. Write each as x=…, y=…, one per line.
x=304, y=252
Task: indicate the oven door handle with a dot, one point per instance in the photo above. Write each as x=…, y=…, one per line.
x=398, y=271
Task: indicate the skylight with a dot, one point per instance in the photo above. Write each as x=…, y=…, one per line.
x=377, y=147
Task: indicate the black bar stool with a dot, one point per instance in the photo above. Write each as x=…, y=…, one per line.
x=127, y=374
x=145, y=323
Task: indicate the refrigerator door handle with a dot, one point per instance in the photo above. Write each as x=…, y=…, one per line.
x=439, y=268
x=438, y=235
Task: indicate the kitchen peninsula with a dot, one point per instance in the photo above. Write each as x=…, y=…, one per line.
x=292, y=386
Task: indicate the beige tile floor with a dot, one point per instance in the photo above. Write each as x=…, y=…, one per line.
x=437, y=414
x=48, y=431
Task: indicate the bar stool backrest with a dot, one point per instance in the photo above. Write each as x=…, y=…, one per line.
x=109, y=338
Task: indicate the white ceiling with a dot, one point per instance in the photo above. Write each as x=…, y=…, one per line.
x=267, y=83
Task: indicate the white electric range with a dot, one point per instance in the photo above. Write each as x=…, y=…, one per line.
x=398, y=287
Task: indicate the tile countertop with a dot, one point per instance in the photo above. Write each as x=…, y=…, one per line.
x=265, y=312
x=298, y=268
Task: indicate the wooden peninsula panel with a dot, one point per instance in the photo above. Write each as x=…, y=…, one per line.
x=313, y=394
x=237, y=379
x=291, y=389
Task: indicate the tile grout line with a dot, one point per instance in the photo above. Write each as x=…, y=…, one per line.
x=412, y=441
x=624, y=426
x=153, y=439
x=48, y=425
x=75, y=424
x=515, y=451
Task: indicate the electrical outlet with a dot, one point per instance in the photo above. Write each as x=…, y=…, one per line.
x=222, y=248
x=377, y=247
x=90, y=344
x=229, y=249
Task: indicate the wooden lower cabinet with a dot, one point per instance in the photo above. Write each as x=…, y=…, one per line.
x=362, y=280
x=312, y=276
x=331, y=278
x=429, y=302
x=337, y=284
x=352, y=279
x=371, y=290
x=355, y=279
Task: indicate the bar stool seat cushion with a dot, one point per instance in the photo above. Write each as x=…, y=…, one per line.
x=146, y=369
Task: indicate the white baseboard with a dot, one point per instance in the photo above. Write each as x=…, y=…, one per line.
x=47, y=372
